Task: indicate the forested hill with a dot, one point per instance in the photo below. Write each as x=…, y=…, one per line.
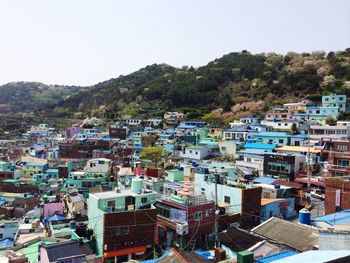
x=22, y=97
x=238, y=82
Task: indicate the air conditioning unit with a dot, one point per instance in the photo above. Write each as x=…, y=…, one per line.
x=182, y=229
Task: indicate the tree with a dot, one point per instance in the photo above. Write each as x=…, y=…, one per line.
x=2, y=132
x=152, y=153
x=331, y=121
x=294, y=129
x=212, y=118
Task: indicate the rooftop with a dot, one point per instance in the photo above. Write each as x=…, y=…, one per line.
x=114, y=194
x=334, y=219
x=298, y=149
x=317, y=256
x=264, y=146
x=295, y=236
x=265, y=201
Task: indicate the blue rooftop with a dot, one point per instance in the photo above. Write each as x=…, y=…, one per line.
x=6, y=243
x=52, y=171
x=272, y=134
x=264, y=146
x=276, y=256
x=316, y=256
x=2, y=201
x=55, y=217
x=335, y=218
x=36, y=164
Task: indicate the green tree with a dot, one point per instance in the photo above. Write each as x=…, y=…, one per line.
x=212, y=118
x=2, y=132
x=152, y=153
x=331, y=121
x=294, y=129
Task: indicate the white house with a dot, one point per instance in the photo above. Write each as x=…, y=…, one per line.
x=196, y=152
x=99, y=166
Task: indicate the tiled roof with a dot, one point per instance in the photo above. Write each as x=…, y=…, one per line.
x=66, y=249
x=295, y=236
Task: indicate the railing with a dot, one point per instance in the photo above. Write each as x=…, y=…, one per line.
x=184, y=200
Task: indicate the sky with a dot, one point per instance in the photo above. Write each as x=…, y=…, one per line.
x=83, y=42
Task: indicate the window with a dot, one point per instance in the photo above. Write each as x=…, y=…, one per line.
x=196, y=153
x=227, y=199
x=249, y=160
x=111, y=203
x=198, y=216
x=121, y=231
x=143, y=200
x=280, y=141
x=343, y=147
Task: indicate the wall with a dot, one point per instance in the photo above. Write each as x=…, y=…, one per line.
x=332, y=184
x=53, y=208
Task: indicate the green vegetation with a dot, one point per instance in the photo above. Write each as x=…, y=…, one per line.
x=152, y=153
x=229, y=83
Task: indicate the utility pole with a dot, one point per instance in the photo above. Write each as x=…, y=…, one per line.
x=216, y=174
x=308, y=161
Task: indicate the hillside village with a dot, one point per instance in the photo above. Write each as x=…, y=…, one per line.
x=170, y=188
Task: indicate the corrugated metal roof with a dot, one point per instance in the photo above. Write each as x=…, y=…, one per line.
x=276, y=256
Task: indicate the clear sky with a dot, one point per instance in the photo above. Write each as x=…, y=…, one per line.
x=83, y=42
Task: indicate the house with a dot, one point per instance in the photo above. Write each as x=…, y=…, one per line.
x=232, y=198
x=277, y=207
x=153, y=122
x=173, y=118
x=133, y=121
x=303, y=150
x=239, y=132
x=334, y=100
x=195, y=152
x=53, y=208
x=99, y=166
x=228, y=148
x=281, y=125
x=337, y=152
x=196, y=123
x=83, y=180
x=279, y=138
x=329, y=132
x=23, y=203
x=278, y=114
x=66, y=251
x=253, y=159
x=297, y=237
x=296, y=107
x=74, y=203
x=283, y=166
x=324, y=111
x=8, y=229
x=123, y=222
x=29, y=169
x=118, y=132
x=184, y=218
x=249, y=119
x=42, y=128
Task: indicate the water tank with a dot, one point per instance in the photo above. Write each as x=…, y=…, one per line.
x=304, y=216
x=72, y=224
x=136, y=185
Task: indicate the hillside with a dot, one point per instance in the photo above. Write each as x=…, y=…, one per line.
x=238, y=83
x=19, y=97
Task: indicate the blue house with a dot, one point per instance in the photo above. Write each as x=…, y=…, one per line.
x=279, y=138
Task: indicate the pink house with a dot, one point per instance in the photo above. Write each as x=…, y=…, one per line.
x=53, y=208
